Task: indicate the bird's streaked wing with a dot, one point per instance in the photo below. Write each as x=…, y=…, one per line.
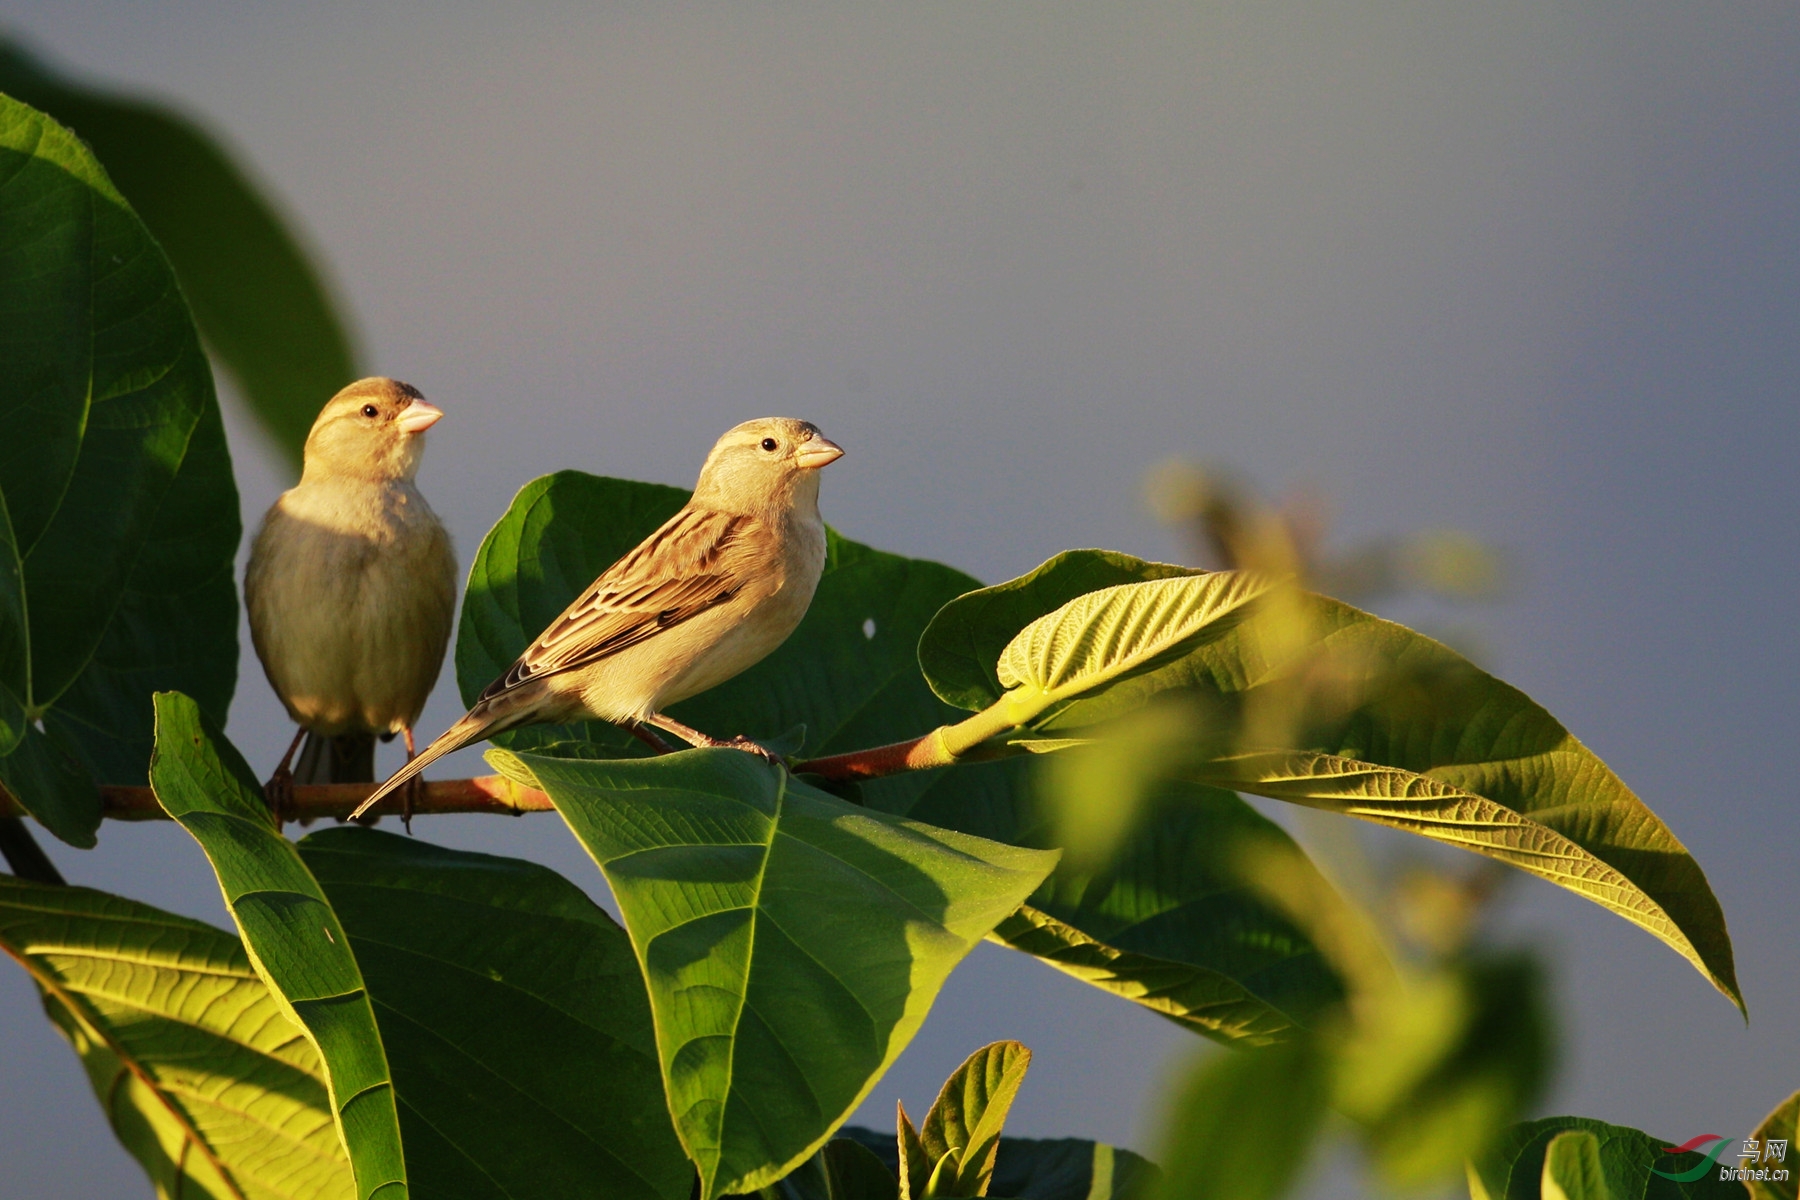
x=678, y=572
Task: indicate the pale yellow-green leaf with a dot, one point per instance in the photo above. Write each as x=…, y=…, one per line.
x=1783, y=1123
x=205, y=1081
x=1572, y=1169
x=1103, y=636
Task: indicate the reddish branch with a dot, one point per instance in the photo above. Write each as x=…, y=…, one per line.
x=488, y=794
x=498, y=794
x=916, y=755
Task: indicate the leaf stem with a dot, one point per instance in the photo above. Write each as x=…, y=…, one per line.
x=941, y=747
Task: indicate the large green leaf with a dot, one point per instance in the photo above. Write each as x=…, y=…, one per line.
x=792, y=942
x=1350, y=686
x=1634, y=1165
x=260, y=303
x=117, y=487
x=514, y=1018
x=848, y=674
x=204, y=1079
x=293, y=937
x=1421, y=804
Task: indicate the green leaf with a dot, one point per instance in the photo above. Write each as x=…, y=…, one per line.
x=1245, y=1123
x=53, y=786
x=14, y=653
x=792, y=942
x=117, y=487
x=259, y=301
x=293, y=937
x=852, y=1172
x=848, y=673
x=1043, y=1168
x=1783, y=1123
x=1172, y=923
x=970, y=1111
x=1339, y=684
x=960, y=650
x=1101, y=641
x=1633, y=1164
x=913, y=1164
x=515, y=1020
x=204, y=1079
x=1572, y=1168
x=1437, y=1068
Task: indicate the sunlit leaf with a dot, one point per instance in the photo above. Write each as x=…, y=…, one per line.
x=1669, y=897
x=1349, y=686
x=116, y=568
x=960, y=650
x=294, y=938
x=1103, y=639
x=257, y=298
x=1783, y=1124
x=204, y=1079
x=970, y=1111
x=792, y=942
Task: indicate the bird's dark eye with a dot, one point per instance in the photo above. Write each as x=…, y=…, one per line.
x=770, y=444
x=369, y=410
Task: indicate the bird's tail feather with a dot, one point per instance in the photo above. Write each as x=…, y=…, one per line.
x=346, y=758
x=471, y=728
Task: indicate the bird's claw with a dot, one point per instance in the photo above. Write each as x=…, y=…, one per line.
x=740, y=742
x=278, y=795
x=411, y=793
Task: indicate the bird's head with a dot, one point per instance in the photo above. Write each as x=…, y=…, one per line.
x=768, y=463
x=371, y=430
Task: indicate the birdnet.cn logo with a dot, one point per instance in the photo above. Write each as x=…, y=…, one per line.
x=1753, y=1157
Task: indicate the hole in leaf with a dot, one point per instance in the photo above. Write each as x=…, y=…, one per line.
x=869, y=628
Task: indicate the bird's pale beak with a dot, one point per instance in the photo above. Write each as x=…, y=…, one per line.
x=817, y=452
x=418, y=416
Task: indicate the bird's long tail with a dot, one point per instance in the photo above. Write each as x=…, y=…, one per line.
x=471, y=728
x=346, y=758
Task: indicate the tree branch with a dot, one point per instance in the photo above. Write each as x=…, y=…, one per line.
x=486, y=794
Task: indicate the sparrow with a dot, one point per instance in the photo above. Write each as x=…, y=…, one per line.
x=708, y=595
x=351, y=587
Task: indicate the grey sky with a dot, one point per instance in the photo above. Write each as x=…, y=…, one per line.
x=1529, y=269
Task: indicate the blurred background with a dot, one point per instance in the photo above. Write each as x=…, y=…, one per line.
x=1528, y=270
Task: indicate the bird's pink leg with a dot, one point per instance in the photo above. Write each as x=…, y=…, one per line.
x=278, y=793
x=649, y=739
x=695, y=738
